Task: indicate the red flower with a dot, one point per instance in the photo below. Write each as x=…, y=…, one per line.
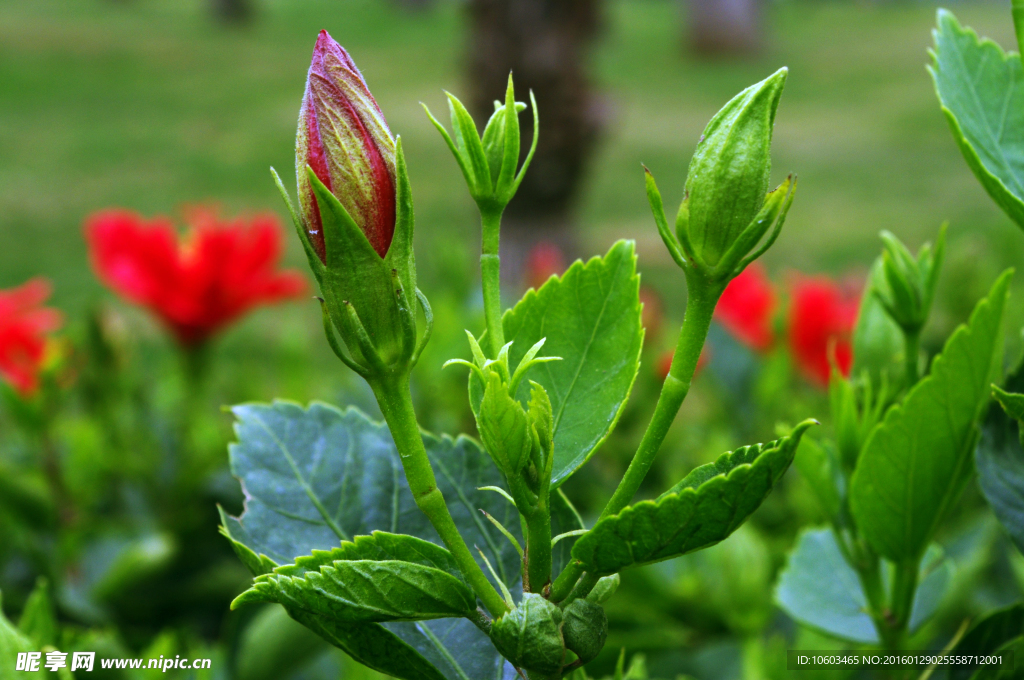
x=821, y=319
x=219, y=271
x=746, y=308
x=23, y=325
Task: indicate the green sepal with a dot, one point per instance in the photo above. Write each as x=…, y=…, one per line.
x=504, y=427
x=356, y=275
x=400, y=258
x=530, y=636
x=978, y=85
x=541, y=417
x=658, y=210
x=467, y=139
x=907, y=284
x=704, y=508
x=315, y=265
x=772, y=216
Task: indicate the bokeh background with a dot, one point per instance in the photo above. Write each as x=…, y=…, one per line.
x=154, y=104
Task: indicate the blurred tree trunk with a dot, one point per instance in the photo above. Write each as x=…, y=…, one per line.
x=723, y=27
x=545, y=43
x=232, y=11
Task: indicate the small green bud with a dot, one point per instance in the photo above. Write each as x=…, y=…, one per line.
x=907, y=284
x=504, y=427
x=530, y=636
x=585, y=629
x=604, y=589
x=728, y=177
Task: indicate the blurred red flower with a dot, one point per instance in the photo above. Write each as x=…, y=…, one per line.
x=665, y=362
x=822, y=315
x=217, y=272
x=747, y=306
x=24, y=323
x=544, y=260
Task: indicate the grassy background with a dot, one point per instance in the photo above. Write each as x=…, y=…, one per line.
x=147, y=104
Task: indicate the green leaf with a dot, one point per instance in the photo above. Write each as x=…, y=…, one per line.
x=704, y=508
x=820, y=589
x=1012, y=403
x=916, y=463
x=314, y=477
x=380, y=546
x=1000, y=463
x=819, y=465
x=367, y=590
x=273, y=645
x=980, y=89
x=591, y=318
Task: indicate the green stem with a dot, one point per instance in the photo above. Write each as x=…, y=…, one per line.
x=490, y=279
x=582, y=589
x=538, y=548
x=904, y=587
x=912, y=347
x=702, y=296
x=395, y=402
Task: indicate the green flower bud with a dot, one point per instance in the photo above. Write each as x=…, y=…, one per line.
x=504, y=427
x=728, y=218
x=907, y=285
x=585, y=628
x=530, y=636
x=728, y=177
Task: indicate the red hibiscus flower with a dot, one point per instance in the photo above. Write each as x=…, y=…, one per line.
x=544, y=260
x=199, y=284
x=747, y=306
x=24, y=323
x=821, y=320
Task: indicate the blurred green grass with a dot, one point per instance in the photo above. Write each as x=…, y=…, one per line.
x=147, y=104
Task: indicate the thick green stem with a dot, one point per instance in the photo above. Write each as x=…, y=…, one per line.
x=396, y=404
x=490, y=279
x=538, y=548
x=912, y=347
x=702, y=296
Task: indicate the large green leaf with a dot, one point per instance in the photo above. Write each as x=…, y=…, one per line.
x=12, y=641
x=591, y=318
x=820, y=589
x=314, y=477
x=980, y=88
x=1000, y=462
x=917, y=461
x=704, y=508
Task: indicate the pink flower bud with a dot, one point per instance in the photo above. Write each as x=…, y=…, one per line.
x=344, y=138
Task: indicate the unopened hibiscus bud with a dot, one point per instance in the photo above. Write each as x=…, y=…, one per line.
x=728, y=218
x=907, y=285
x=355, y=217
x=345, y=140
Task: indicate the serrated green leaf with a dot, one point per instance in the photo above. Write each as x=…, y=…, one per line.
x=704, y=508
x=591, y=318
x=980, y=88
x=916, y=463
x=1000, y=463
x=1012, y=402
x=367, y=591
x=313, y=477
x=820, y=589
x=379, y=546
